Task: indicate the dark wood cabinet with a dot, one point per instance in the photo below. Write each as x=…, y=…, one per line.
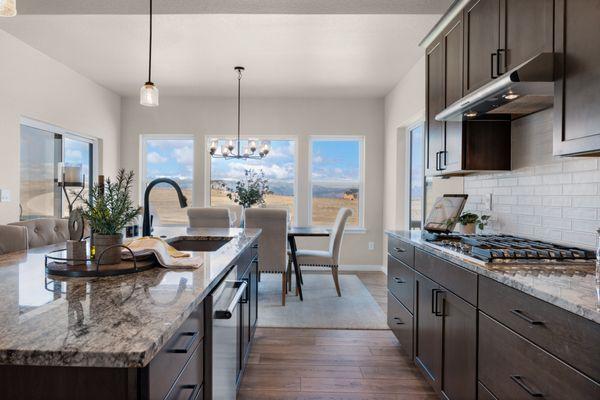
x=400, y=321
x=481, y=41
x=577, y=84
x=435, y=104
x=451, y=157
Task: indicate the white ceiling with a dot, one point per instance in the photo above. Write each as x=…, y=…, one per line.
x=284, y=55
x=234, y=6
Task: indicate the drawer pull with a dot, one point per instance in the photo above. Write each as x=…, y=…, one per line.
x=522, y=315
x=188, y=345
x=398, y=321
x=519, y=381
x=399, y=280
x=399, y=250
x=437, y=311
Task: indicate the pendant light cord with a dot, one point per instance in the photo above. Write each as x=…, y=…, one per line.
x=150, y=48
x=239, y=104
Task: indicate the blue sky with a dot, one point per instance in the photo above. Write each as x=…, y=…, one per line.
x=336, y=160
x=170, y=158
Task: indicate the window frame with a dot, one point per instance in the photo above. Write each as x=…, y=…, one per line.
x=409, y=141
x=208, y=164
x=361, y=184
x=143, y=158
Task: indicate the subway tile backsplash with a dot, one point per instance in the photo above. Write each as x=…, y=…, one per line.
x=543, y=197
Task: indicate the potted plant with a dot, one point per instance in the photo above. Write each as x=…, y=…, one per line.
x=251, y=190
x=108, y=210
x=469, y=222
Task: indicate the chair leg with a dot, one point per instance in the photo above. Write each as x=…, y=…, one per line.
x=283, y=287
x=334, y=272
x=289, y=275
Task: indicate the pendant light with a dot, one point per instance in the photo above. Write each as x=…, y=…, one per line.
x=149, y=92
x=233, y=149
x=8, y=8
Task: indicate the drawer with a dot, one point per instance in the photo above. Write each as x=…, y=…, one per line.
x=483, y=393
x=169, y=362
x=402, y=250
x=453, y=277
x=189, y=383
x=401, y=282
x=573, y=339
x=400, y=321
x=511, y=367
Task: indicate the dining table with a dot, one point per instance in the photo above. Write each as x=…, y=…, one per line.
x=300, y=231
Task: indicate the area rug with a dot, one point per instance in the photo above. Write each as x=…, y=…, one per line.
x=321, y=308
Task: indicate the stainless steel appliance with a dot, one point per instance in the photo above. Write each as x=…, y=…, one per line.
x=226, y=327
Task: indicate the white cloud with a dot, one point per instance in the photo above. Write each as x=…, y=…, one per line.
x=73, y=155
x=275, y=171
x=317, y=159
x=155, y=158
x=184, y=155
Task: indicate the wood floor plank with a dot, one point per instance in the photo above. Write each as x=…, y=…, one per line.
x=354, y=341
x=261, y=382
x=322, y=333
x=395, y=386
x=272, y=395
x=307, y=371
x=407, y=372
x=314, y=349
x=329, y=359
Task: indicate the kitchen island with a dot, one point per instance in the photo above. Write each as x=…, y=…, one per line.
x=99, y=337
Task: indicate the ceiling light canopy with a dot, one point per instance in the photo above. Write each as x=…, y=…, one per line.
x=8, y=8
x=149, y=92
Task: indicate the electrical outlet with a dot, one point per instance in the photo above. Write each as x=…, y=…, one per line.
x=371, y=245
x=4, y=195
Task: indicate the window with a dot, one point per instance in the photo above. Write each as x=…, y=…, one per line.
x=168, y=157
x=45, y=153
x=336, y=179
x=417, y=176
x=279, y=168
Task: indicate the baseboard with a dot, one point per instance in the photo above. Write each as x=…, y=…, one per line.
x=350, y=268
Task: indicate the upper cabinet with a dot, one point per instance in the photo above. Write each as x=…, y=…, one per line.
x=577, y=85
x=435, y=104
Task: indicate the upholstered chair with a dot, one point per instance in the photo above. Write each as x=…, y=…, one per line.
x=12, y=238
x=45, y=231
x=328, y=258
x=208, y=217
x=235, y=213
x=272, y=242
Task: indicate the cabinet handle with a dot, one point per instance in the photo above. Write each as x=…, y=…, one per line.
x=399, y=280
x=444, y=152
x=492, y=75
x=188, y=345
x=519, y=381
x=499, y=65
x=433, y=300
x=522, y=315
x=398, y=321
x=399, y=250
x=437, y=312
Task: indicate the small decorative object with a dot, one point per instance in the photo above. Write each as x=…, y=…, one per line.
x=469, y=222
x=76, y=224
x=76, y=252
x=251, y=190
x=108, y=211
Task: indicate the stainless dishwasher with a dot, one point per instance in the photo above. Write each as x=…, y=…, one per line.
x=226, y=335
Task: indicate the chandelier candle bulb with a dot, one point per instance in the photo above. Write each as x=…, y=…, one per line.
x=8, y=8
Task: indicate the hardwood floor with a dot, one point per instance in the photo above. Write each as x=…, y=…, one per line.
x=326, y=364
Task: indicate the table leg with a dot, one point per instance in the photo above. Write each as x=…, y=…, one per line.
x=293, y=249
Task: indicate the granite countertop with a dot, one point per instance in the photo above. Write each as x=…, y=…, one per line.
x=574, y=287
x=120, y=321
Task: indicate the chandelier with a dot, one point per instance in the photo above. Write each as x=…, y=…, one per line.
x=233, y=148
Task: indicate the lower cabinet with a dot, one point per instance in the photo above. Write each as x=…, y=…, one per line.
x=248, y=315
x=428, y=350
x=400, y=321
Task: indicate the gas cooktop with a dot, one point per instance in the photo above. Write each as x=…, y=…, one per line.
x=492, y=248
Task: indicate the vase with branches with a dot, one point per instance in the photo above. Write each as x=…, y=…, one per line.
x=251, y=190
x=107, y=211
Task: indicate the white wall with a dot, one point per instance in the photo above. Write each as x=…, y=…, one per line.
x=268, y=116
x=35, y=86
x=404, y=106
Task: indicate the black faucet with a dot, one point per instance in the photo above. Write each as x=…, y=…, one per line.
x=147, y=225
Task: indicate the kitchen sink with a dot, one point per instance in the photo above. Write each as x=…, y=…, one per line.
x=212, y=244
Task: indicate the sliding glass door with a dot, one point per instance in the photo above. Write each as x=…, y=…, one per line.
x=416, y=177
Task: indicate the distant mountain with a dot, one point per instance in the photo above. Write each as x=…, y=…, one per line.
x=336, y=192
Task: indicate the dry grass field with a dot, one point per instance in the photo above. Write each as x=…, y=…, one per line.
x=324, y=209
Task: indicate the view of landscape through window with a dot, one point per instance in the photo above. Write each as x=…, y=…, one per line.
x=417, y=170
x=279, y=168
x=174, y=159
x=335, y=178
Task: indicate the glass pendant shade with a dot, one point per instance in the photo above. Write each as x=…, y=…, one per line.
x=149, y=95
x=8, y=8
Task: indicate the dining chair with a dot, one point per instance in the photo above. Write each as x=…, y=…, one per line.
x=235, y=213
x=12, y=238
x=45, y=231
x=328, y=258
x=208, y=217
x=272, y=242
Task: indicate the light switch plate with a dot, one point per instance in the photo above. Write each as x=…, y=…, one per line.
x=4, y=195
x=371, y=245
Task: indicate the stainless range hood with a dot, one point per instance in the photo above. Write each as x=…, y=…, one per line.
x=525, y=89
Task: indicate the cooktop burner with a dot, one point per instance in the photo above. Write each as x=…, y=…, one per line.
x=506, y=247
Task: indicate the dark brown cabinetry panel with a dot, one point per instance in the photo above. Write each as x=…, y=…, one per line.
x=564, y=334
x=400, y=321
x=435, y=104
x=514, y=368
x=483, y=393
x=452, y=156
x=428, y=349
x=482, y=38
x=401, y=250
x=401, y=282
x=189, y=383
x=526, y=29
x=577, y=84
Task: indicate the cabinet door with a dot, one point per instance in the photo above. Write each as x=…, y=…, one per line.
x=459, y=369
x=435, y=104
x=526, y=29
x=245, y=323
x=451, y=157
x=577, y=87
x=482, y=39
x=428, y=352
